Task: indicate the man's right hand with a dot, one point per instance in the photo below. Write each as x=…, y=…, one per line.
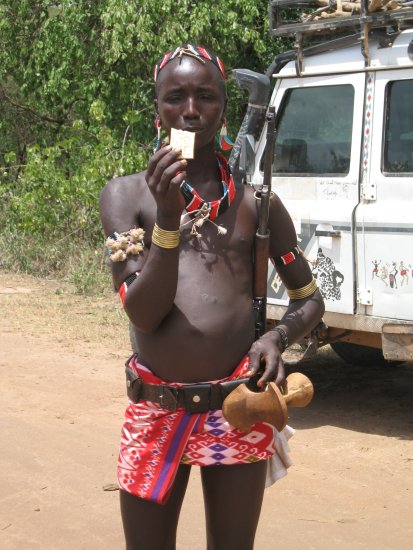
x=265, y=352
x=164, y=177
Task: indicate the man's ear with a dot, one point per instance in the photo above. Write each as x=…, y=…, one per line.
x=157, y=116
x=224, y=112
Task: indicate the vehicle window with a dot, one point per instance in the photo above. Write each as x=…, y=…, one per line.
x=398, y=135
x=314, y=131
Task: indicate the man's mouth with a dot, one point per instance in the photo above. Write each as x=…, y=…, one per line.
x=192, y=129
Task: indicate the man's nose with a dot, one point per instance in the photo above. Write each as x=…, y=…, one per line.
x=191, y=109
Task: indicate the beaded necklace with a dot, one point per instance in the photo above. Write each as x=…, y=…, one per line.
x=194, y=202
x=207, y=211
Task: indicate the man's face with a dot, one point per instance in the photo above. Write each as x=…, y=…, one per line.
x=191, y=96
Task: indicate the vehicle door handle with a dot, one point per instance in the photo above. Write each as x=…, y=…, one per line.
x=336, y=233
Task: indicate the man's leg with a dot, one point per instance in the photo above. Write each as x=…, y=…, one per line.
x=233, y=497
x=151, y=526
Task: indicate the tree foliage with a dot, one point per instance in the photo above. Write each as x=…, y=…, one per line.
x=76, y=95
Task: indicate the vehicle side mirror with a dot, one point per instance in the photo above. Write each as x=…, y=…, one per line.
x=242, y=159
x=247, y=157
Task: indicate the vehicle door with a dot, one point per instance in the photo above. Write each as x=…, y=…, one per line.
x=316, y=175
x=385, y=216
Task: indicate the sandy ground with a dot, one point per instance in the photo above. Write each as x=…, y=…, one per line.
x=62, y=401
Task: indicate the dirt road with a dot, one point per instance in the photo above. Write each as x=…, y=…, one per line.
x=62, y=401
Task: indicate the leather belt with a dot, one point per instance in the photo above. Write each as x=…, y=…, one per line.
x=195, y=398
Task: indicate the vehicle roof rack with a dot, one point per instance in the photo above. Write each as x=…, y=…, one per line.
x=318, y=20
x=288, y=17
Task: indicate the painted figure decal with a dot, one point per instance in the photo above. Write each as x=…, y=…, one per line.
x=384, y=273
x=375, y=268
x=403, y=274
x=329, y=279
x=394, y=274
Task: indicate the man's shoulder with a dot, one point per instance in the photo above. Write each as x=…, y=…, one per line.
x=126, y=185
x=246, y=194
x=121, y=200
x=122, y=191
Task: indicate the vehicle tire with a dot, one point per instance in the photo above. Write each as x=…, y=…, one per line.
x=364, y=356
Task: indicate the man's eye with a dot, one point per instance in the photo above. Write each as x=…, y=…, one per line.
x=207, y=97
x=174, y=98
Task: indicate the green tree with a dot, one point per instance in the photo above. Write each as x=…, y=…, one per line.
x=76, y=96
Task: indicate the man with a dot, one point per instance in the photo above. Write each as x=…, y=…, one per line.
x=187, y=289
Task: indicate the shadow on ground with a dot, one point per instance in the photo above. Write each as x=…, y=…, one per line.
x=375, y=400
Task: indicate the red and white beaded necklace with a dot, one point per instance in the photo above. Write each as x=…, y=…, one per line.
x=209, y=210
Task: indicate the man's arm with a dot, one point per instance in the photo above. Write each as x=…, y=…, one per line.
x=302, y=314
x=151, y=296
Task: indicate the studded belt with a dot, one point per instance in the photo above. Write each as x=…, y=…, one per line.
x=194, y=398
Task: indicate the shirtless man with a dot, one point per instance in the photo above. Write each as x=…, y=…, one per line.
x=188, y=294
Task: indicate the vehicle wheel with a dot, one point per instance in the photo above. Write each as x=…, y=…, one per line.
x=132, y=339
x=354, y=354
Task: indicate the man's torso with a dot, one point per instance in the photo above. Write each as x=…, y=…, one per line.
x=210, y=326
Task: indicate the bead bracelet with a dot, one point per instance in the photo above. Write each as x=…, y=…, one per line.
x=283, y=336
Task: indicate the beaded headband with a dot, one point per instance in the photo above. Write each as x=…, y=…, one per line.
x=198, y=52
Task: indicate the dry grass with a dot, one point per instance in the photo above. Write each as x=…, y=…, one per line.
x=52, y=307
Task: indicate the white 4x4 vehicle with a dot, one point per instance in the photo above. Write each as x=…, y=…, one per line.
x=343, y=166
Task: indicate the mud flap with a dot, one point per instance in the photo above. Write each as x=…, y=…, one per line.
x=397, y=342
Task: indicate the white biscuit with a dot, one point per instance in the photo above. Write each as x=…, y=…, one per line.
x=184, y=141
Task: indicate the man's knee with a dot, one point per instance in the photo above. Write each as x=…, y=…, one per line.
x=233, y=498
x=147, y=525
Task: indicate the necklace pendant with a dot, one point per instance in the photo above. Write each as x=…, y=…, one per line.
x=204, y=211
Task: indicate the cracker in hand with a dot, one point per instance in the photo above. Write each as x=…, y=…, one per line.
x=184, y=141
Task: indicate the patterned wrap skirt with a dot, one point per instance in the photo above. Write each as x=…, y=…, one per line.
x=154, y=441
